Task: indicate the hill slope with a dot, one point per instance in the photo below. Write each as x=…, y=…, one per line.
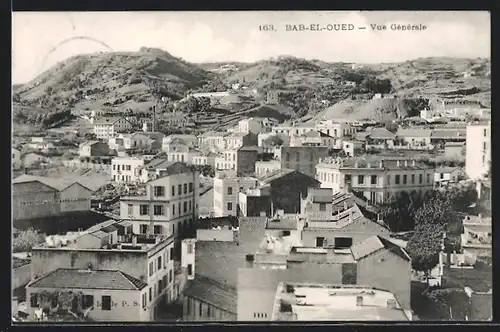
x=129, y=79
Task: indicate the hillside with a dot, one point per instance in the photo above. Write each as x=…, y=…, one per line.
x=132, y=80
x=307, y=88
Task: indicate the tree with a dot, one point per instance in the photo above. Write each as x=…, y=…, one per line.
x=25, y=240
x=424, y=247
x=204, y=104
x=450, y=303
x=274, y=140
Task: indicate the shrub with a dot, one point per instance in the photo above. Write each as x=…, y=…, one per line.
x=27, y=239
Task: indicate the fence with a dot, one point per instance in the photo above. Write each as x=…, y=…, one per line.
x=77, y=164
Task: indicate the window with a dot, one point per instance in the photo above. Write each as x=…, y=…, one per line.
x=144, y=229
x=189, y=248
x=413, y=178
x=144, y=210
x=343, y=242
x=190, y=205
x=151, y=268
x=172, y=253
x=158, y=210
x=420, y=178
x=159, y=191
x=87, y=301
x=130, y=209
x=179, y=189
x=185, y=207
x=229, y=206
x=201, y=309
x=150, y=294
x=154, y=290
x=164, y=262
x=322, y=206
x=106, y=302
x=157, y=229
x=170, y=276
x=484, y=145
x=114, y=167
x=128, y=167
x=34, y=300
x=229, y=190
x=397, y=179
x=144, y=300
x=185, y=188
x=404, y=178
x=484, y=133
x=190, y=269
x=361, y=179
x=286, y=233
x=319, y=242
x=173, y=190
x=208, y=311
x=179, y=208
x=173, y=228
x=373, y=179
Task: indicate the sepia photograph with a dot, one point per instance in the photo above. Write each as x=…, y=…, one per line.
x=251, y=166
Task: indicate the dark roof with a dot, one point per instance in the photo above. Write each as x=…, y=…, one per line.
x=375, y=243
x=88, y=279
x=220, y=295
x=282, y=223
x=274, y=175
x=208, y=223
x=109, y=229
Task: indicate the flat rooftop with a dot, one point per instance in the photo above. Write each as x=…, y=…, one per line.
x=325, y=302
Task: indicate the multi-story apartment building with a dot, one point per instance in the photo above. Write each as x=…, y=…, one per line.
x=478, y=149
x=171, y=202
x=106, y=128
x=241, y=160
x=377, y=179
x=337, y=130
x=111, y=274
x=301, y=158
x=227, y=187
x=237, y=140
x=213, y=141
x=178, y=150
x=126, y=169
x=136, y=141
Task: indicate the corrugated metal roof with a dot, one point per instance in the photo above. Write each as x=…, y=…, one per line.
x=58, y=184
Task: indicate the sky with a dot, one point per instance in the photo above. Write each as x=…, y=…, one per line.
x=41, y=39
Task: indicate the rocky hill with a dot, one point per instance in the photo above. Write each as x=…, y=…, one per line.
x=132, y=80
x=308, y=88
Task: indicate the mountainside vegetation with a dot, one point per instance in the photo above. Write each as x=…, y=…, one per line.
x=307, y=89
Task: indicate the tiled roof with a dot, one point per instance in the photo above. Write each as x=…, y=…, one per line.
x=381, y=133
x=269, y=177
x=444, y=134
x=58, y=184
x=374, y=244
x=88, y=279
x=215, y=293
x=108, y=120
x=446, y=169
x=414, y=132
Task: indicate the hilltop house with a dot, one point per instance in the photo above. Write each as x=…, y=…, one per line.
x=105, y=128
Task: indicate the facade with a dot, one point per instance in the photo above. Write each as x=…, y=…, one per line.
x=377, y=179
x=227, y=187
x=454, y=149
x=414, y=138
x=177, y=150
x=126, y=169
x=302, y=159
x=445, y=175
x=204, y=159
x=136, y=141
x=93, y=149
x=265, y=167
x=237, y=140
x=241, y=160
x=149, y=260
x=478, y=150
x=256, y=125
x=477, y=236
x=106, y=295
x=189, y=140
x=212, y=141
x=37, y=196
x=106, y=128
x=352, y=148
x=170, y=203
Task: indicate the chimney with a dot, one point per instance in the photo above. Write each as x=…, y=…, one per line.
x=359, y=301
x=134, y=240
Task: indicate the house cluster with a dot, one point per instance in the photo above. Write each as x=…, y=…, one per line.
x=456, y=109
x=326, y=260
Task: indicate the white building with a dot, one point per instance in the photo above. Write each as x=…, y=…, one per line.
x=478, y=149
x=126, y=169
x=106, y=128
x=256, y=125
x=227, y=187
x=170, y=204
x=137, y=141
